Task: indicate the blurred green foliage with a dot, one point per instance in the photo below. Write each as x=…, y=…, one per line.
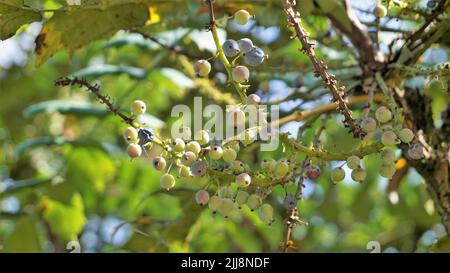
x=66, y=176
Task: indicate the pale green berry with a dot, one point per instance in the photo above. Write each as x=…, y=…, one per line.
x=253, y=99
x=387, y=170
x=268, y=164
x=266, y=213
x=383, y=114
x=184, y=171
x=338, y=174
x=199, y=168
x=353, y=162
x=237, y=166
x=167, y=181
x=216, y=152
x=249, y=137
x=243, y=180
x=359, y=174
x=380, y=11
x=134, y=150
x=387, y=157
x=202, y=68
x=214, y=203
x=240, y=74
x=178, y=145
x=225, y=192
x=226, y=207
x=159, y=163
x=234, y=145
x=242, y=16
x=138, y=107
x=202, y=137
x=406, y=135
x=241, y=198
x=388, y=138
x=202, y=197
x=368, y=124
x=188, y=158
x=194, y=147
x=254, y=201
x=229, y=155
x=281, y=168
x=185, y=133
x=131, y=135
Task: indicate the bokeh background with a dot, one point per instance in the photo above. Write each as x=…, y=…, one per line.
x=66, y=183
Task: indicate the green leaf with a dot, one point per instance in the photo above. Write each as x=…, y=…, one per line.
x=13, y=16
x=74, y=29
x=65, y=107
x=67, y=221
x=24, y=239
x=107, y=69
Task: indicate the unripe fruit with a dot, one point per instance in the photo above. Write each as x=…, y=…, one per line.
x=202, y=68
x=406, y=135
x=237, y=166
x=167, y=181
x=199, y=168
x=368, y=124
x=216, y=152
x=387, y=157
x=254, y=201
x=268, y=164
x=230, y=48
x=245, y=45
x=266, y=213
x=145, y=135
x=214, y=203
x=237, y=117
x=243, y=180
x=225, y=192
x=353, y=162
x=249, y=137
x=241, y=198
x=359, y=174
x=184, y=171
x=380, y=11
x=229, y=155
x=253, y=99
x=383, y=114
x=185, y=133
x=138, y=107
x=188, y=158
x=234, y=145
x=202, y=137
x=312, y=172
x=241, y=17
x=388, y=138
x=240, y=74
x=159, y=163
x=134, y=150
x=387, y=170
x=254, y=57
x=130, y=135
x=194, y=147
x=338, y=174
x=202, y=197
x=281, y=168
x=226, y=207
x=415, y=151
x=178, y=145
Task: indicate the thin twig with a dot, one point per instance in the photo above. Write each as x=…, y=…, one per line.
x=320, y=69
x=95, y=89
